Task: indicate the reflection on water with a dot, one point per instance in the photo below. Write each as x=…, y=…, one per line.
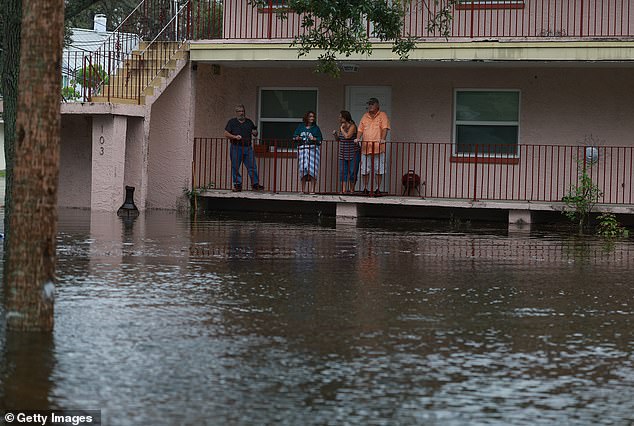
x=216, y=321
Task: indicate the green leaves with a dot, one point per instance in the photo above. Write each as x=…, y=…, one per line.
x=69, y=93
x=442, y=19
x=609, y=227
x=580, y=201
x=581, y=198
x=93, y=76
x=341, y=28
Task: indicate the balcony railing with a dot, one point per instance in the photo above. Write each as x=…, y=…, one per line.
x=122, y=67
x=540, y=173
x=238, y=20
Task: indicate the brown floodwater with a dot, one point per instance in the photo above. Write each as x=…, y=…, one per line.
x=242, y=319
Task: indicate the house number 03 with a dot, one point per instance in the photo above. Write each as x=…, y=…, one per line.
x=102, y=141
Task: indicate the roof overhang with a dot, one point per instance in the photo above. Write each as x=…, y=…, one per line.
x=570, y=53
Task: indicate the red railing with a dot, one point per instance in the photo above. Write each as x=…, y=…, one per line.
x=153, y=58
x=237, y=19
x=84, y=82
x=506, y=173
x=531, y=18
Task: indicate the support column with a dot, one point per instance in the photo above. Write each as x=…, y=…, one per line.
x=136, y=163
x=347, y=213
x=108, y=162
x=520, y=220
x=520, y=217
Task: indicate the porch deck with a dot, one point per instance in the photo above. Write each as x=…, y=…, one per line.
x=517, y=179
x=396, y=200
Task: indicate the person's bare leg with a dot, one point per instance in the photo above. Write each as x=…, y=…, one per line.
x=379, y=179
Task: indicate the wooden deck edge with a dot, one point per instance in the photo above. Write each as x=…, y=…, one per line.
x=412, y=201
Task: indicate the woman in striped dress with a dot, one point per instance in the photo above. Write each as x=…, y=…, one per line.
x=349, y=151
x=309, y=137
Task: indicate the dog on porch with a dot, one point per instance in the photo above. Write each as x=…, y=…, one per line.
x=411, y=182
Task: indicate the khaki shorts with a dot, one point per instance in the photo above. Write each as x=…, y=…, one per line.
x=373, y=161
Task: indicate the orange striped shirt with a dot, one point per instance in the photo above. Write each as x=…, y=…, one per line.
x=371, y=127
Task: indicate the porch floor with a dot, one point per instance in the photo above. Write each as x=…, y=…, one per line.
x=363, y=200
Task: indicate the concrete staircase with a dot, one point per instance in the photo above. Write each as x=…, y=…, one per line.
x=144, y=74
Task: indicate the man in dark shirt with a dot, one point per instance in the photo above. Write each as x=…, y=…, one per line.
x=239, y=131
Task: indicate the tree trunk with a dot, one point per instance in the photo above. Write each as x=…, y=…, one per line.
x=30, y=256
x=9, y=71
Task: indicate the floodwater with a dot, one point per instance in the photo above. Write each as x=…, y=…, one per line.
x=248, y=320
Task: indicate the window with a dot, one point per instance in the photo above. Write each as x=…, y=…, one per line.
x=490, y=4
x=274, y=4
x=486, y=122
x=281, y=111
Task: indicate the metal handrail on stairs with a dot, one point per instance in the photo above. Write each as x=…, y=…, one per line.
x=128, y=65
x=107, y=56
x=155, y=58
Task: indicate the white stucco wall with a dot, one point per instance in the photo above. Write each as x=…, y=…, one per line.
x=170, y=144
x=108, y=162
x=558, y=105
x=135, y=159
x=75, y=161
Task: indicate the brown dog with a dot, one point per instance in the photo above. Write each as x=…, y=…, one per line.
x=411, y=182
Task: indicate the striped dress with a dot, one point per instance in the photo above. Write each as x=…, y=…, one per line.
x=347, y=148
x=308, y=152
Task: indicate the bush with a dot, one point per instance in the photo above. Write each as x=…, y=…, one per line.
x=69, y=93
x=581, y=199
x=609, y=227
x=92, y=76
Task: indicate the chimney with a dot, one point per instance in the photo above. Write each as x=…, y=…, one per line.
x=100, y=23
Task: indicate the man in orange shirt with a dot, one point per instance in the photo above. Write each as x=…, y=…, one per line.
x=372, y=133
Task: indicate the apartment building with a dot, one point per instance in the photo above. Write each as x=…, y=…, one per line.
x=510, y=106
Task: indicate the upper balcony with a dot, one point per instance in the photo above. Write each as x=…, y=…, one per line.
x=130, y=62
x=569, y=20
x=500, y=31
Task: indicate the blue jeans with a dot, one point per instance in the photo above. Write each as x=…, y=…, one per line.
x=243, y=154
x=348, y=169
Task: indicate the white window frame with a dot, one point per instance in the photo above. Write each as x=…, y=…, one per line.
x=457, y=122
x=285, y=119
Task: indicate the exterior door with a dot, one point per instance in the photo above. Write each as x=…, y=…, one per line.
x=356, y=99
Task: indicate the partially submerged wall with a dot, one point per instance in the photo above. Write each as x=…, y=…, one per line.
x=170, y=144
x=75, y=167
